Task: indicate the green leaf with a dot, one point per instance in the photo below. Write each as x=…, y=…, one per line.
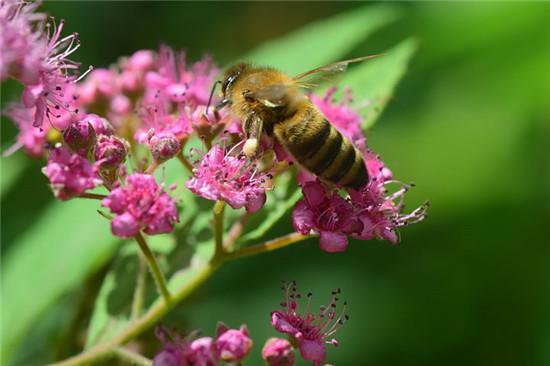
x=12, y=168
x=324, y=41
x=69, y=241
x=374, y=81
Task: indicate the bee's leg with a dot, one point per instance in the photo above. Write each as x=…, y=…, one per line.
x=253, y=129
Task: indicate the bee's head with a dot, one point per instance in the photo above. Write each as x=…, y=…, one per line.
x=229, y=78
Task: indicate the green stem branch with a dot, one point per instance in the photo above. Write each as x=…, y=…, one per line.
x=185, y=162
x=268, y=246
x=160, y=308
x=139, y=292
x=93, y=196
x=160, y=281
x=131, y=357
x=219, y=252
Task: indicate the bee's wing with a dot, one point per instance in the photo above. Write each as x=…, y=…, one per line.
x=273, y=95
x=313, y=78
x=270, y=96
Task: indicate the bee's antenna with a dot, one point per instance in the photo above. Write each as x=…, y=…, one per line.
x=211, y=95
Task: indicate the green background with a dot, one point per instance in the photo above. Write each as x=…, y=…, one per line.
x=469, y=124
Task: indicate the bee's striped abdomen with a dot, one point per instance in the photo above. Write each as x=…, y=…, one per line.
x=320, y=148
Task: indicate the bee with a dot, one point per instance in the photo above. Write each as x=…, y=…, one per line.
x=271, y=102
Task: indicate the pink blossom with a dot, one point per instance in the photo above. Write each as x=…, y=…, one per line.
x=177, y=81
x=310, y=331
x=278, y=352
x=380, y=212
x=141, y=205
x=341, y=115
x=70, y=174
x=232, y=345
x=234, y=179
x=23, y=47
x=32, y=139
x=327, y=214
x=156, y=119
x=54, y=94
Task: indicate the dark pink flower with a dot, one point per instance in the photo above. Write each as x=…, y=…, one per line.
x=381, y=212
x=341, y=115
x=234, y=179
x=141, y=204
x=174, y=351
x=278, y=352
x=232, y=345
x=327, y=214
x=80, y=136
x=308, y=330
x=69, y=174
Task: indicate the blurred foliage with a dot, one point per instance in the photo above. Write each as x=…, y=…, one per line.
x=469, y=124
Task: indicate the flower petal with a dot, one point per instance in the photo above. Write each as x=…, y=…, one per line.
x=333, y=242
x=313, y=350
x=303, y=218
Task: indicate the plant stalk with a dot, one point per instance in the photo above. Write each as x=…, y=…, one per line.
x=158, y=276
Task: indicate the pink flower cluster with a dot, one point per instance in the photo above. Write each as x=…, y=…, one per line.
x=141, y=204
x=366, y=213
x=36, y=54
x=309, y=331
x=230, y=346
x=219, y=175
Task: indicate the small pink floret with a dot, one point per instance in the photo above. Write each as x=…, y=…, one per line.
x=70, y=174
x=141, y=205
x=222, y=176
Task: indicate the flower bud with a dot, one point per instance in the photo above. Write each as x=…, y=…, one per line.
x=80, y=136
x=100, y=125
x=232, y=344
x=278, y=352
x=110, y=151
x=202, y=352
x=164, y=146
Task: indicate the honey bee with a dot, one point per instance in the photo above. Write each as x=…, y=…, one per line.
x=271, y=102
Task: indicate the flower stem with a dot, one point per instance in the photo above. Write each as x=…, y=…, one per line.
x=160, y=308
x=152, y=167
x=136, y=327
x=218, y=230
x=160, y=281
x=93, y=196
x=185, y=162
x=268, y=246
x=139, y=292
x=131, y=357
x=235, y=232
